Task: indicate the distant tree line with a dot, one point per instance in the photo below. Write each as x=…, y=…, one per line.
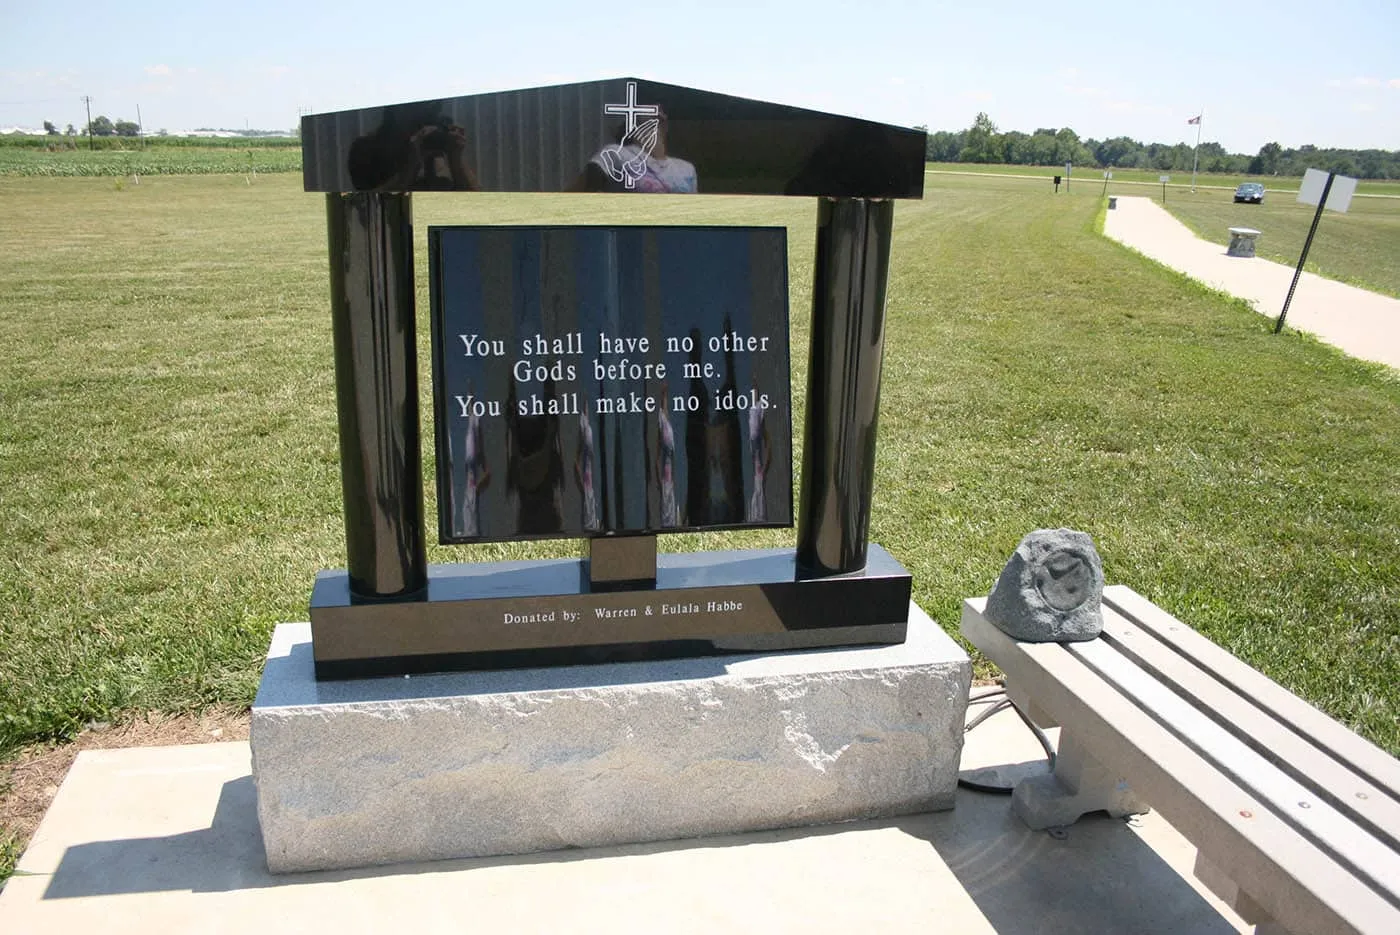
x=983, y=142
x=103, y=126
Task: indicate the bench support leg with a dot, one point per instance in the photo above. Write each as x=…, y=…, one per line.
x=1079, y=784
x=1027, y=704
x=1220, y=883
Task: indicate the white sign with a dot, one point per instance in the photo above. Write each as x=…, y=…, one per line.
x=1338, y=199
x=1067, y=168
x=1164, y=179
x=1108, y=175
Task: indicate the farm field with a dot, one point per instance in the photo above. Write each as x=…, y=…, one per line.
x=167, y=423
x=157, y=159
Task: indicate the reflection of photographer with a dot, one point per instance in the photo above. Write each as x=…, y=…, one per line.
x=639, y=162
x=535, y=466
x=423, y=151
x=441, y=149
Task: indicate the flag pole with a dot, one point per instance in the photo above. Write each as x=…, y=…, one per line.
x=1200, y=119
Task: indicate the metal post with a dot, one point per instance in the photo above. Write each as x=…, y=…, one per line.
x=376, y=377
x=1195, y=153
x=843, y=383
x=1298, y=273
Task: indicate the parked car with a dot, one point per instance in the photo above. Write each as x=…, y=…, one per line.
x=1250, y=193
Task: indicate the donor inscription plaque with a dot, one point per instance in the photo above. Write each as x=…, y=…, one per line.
x=594, y=381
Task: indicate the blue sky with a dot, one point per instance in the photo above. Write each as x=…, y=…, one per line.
x=1293, y=72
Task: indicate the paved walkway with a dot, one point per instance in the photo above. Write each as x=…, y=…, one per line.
x=1364, y=324
x=165, y=839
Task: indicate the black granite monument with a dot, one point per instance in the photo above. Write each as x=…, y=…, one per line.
x=604, y=383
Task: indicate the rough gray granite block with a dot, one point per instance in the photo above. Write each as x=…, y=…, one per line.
x=1051, y=590
x=378, y=771
x=1241, y=242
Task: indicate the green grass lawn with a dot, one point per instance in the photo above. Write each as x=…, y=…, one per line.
x=1361, y=247
x=168, y=435
x=1088, y=175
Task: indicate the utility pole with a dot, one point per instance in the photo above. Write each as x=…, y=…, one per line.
x=87, y=102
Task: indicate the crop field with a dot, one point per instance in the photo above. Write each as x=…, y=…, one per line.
x=167, y=426
x=153, y=160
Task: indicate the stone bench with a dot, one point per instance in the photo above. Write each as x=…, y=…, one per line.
x=1242, y=241
x=1295, y=818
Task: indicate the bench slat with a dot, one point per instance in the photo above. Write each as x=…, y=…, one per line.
x=1294, y=802
x=1291, y=878
x=1362, y=756
x=1315, y=768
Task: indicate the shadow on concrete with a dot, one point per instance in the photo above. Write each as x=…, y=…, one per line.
x=1100, y=877
x=1097, y=875
x=228, y=856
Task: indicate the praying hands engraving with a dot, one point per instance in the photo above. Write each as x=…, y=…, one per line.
x=626, y=160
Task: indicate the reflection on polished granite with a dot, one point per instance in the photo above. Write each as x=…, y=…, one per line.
x=622, y=134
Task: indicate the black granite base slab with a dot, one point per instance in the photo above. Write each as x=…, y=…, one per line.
x=517, y=614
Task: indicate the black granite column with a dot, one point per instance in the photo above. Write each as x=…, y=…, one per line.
x=843, y=383
x=371, y=256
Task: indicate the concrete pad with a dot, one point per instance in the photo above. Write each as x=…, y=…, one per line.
x=479, y=764
x=1364, y=324
x=166, y=840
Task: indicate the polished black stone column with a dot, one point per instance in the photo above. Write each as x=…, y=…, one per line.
x=843, y=383
x=371, y=258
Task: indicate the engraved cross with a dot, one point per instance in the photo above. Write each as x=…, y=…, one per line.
x=631, y=110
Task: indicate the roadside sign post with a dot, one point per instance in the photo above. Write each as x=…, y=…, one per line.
x=1106, y=177
x=1316, y=188
x=1068, y=166
x=1164, y=179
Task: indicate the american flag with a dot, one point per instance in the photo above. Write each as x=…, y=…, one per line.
x=1195, y=119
